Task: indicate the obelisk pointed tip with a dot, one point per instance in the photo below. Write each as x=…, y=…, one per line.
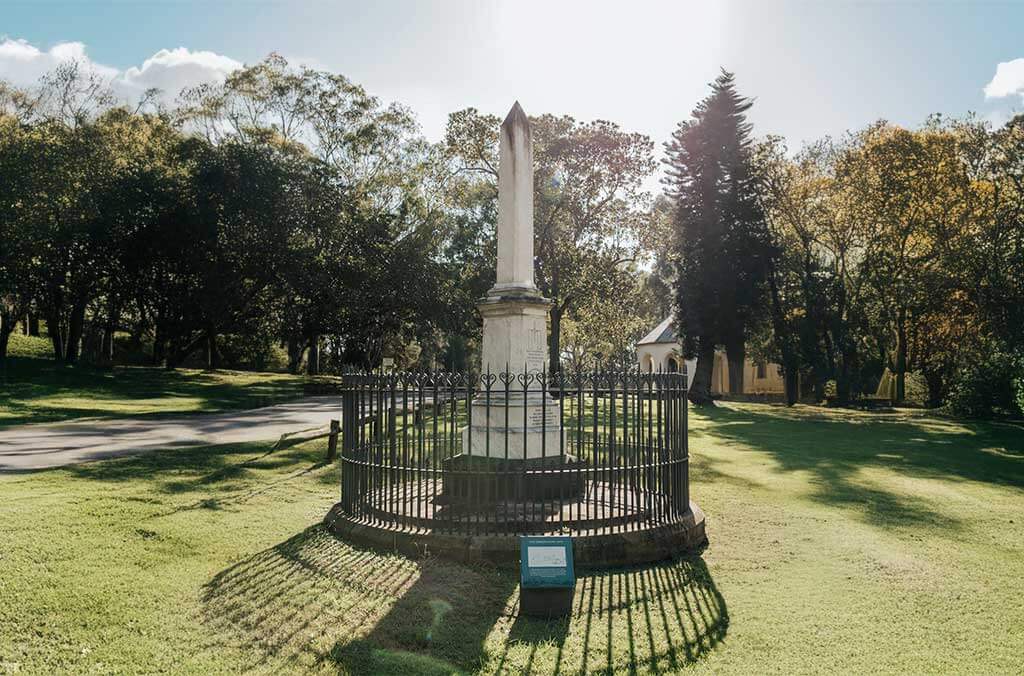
x=516, y=115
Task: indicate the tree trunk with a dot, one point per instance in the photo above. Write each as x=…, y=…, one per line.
x=107, y=346
x=6, y=327
x=784, y=339
x=76, y=325
x=177, y=355
x=936, y=388
x=159, y=345
x=700, y=388
x=56, y=335
x=829, y=370
x=107, y=343
x=33, y=325
x=901, y=354
x=737, y=356
x=296, y=348
x=313, y=366
x=212, y=356
x=841, y=347
x=843, y=377
x=791, y=376
x=555, y=342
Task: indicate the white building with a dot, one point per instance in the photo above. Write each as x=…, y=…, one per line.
x=660, y=350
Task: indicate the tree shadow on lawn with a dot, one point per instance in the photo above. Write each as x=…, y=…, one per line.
x=834, y=451
x=30, y=381
x=314, y=602
x=223, y=475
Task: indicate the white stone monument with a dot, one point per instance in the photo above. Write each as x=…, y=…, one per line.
x=515, y=320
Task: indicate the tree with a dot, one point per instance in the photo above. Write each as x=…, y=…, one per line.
x=909, y=194
x=724, y=249
x=604, y=333
x=18, y=237
x=808, y=279
x=365, y=214
x=61, y=191
x=995, y=258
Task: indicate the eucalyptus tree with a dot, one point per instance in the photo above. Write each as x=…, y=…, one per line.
x=910, y=195
x=367, y=197
x=19, y=238
x=997, y=258
x=815, y=271
x=70, y=169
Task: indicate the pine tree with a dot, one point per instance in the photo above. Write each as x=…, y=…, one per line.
x=723, y=243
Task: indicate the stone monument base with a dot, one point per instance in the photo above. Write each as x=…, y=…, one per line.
x=593, y=549
x=515, y=427
x=480, y=479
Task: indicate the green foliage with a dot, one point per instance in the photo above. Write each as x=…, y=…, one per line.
x=284, y=202
x=899, y=251
x=31, y=347
x=289, y=206
x=992, y=384
x=252, y=352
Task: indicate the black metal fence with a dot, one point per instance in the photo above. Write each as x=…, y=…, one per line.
x=603, y=452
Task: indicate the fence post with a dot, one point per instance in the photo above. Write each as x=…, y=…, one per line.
x=686, y=440
x=348, y=440
x=332, y=441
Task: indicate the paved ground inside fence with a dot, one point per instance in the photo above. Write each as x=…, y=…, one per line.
x=42, y=446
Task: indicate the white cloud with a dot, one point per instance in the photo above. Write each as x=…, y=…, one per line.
x=1008, y=80
x=23, y=64
x=169, y=70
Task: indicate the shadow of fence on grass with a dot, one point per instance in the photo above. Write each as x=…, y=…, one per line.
x=655, y=619
x=314, y=602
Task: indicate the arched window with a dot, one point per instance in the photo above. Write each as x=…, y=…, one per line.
x=646, y=363
x=671, y=365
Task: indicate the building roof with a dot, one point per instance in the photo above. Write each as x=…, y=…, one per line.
x=665, y=332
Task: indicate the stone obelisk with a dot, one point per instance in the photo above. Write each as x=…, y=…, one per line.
x=515, y=318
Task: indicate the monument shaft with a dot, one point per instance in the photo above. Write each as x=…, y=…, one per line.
x=515, y=314
x=515, y=204
x=525, y=420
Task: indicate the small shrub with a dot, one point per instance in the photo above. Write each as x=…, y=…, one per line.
x=915, y=389
x=255, y=353
x=830, y=389
x=1017, y=383
x=128, y=351
x=33, y=347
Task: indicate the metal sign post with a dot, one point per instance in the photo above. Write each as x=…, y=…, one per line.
x=547, y=576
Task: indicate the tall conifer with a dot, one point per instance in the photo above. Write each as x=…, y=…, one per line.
x=724, y=247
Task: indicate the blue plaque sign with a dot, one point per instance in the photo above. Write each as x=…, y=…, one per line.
x=546, y=562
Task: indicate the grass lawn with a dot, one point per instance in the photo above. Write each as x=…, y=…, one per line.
x=39, y=390
x=847, y=542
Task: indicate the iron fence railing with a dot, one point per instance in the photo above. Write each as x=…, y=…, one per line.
x=602, y=452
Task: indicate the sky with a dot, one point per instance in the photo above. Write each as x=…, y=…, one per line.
x=813, y=68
